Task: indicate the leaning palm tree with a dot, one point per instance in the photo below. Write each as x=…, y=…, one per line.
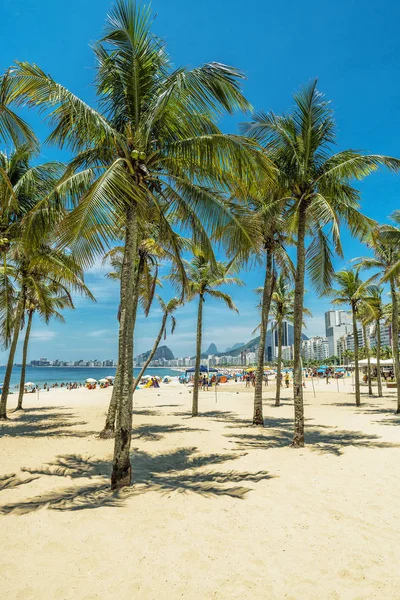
x=153, y=248
x=282, y=310
x=167, y=309
x=151, y=149
x=366, y=319
x=204, y=276
x=47, y=300
x=373, y=303
x=319, y=199
x=29, y=270
x=351, y=290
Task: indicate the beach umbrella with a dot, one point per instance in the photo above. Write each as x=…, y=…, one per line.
x=30, y=383
x=203, y=369
x=112, y=377
x=105, y=380
x=91, y=380
x=251, y=369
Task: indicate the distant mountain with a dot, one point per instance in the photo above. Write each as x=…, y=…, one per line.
x=161, y=352
x=234, y=347
x=252, y=345
x=212, y=349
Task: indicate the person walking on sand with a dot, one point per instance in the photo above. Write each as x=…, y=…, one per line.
x=287, y=379
x=327, y=377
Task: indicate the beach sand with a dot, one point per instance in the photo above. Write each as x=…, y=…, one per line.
x=218, y=510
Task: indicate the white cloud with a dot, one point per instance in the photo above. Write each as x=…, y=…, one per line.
x=43, y=335
x=102, y=333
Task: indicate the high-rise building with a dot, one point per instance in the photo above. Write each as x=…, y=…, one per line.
x=337, y=325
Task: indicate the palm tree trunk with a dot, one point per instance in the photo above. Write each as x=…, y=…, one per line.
x=10, y=362
x=395, y=339
x=378, y=357
x=258, y=418
x=298, y=437
x=152, y=353
x=195, y=403
x=109, y=427
x=24, y=357
x=367, y=349
x=122, y=470
x=279, y=369
x=356, y=367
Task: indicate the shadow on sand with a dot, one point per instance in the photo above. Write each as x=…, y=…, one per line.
x=176, y=471
x=43, y=422
x=278, y=432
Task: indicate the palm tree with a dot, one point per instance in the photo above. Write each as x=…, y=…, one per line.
x=22, y=186
x=319, y=199
x=366, y=319
x=282, y=310
x=45, y=299
x=373, y=303
x=203, y=277
x=351, y=291
x=167, y=310
x=274, y=240
x=385, y=243
x=152, y=148
x=30, y=270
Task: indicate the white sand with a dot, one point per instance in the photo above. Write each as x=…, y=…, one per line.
x=219, y=509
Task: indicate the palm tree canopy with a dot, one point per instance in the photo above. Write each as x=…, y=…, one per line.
x=351, y=289
x=312, y=176
x=12, y=128
x=204, y=276
x=152, y=140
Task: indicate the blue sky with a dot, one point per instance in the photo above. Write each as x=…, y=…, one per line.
x=352, y=46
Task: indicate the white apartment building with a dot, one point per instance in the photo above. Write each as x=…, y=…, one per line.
x=316, y=348
x=250, y=358
x=337, y=325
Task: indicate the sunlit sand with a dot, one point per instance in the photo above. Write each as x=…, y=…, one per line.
x=218, y=508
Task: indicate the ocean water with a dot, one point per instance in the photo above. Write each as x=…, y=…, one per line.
x=50, y=375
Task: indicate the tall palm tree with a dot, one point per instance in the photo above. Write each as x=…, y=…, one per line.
x=204, y=276
x=167, y=309
x=351, y=290
x=152, y=147
x=385, y=244
x=31, y=269
x=373, y=303
x=319, y=199
x=47, y=300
